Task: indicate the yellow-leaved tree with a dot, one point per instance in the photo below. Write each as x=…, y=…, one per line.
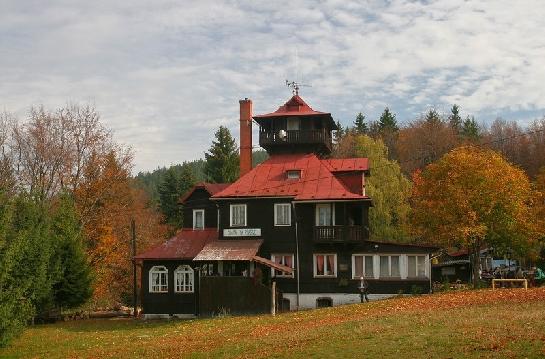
x=472, y=198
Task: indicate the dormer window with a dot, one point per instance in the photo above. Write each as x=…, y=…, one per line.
x=293, y=174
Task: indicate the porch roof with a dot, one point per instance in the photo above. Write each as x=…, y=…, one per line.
x=230, y=250
x=272, y=264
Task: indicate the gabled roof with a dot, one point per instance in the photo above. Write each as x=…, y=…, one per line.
x=295, y=106
x=211, y=188
x=269, y=179
x=186, y=244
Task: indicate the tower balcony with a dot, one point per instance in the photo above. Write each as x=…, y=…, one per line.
x=320, y=138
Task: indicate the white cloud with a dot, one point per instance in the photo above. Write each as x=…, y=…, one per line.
x=166, y=74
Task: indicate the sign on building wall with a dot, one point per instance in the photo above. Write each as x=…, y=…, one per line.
x=242, y=232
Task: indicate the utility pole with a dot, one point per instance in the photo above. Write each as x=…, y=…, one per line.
x=134, y=293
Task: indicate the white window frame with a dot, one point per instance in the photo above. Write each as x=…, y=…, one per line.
x=161, y=287
x=181, y=286
x=231, y=215
x=276, y=205
x=195, y=211
x=390, y=265
x=426, y=274
x=283, y=275
x=364, y=255
x=315, y=268
x=332, y=206
x=293, y=174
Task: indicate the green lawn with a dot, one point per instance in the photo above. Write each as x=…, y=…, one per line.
x=496, y=324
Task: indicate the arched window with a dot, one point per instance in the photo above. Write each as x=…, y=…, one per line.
x=183, y=279
x=158, y=279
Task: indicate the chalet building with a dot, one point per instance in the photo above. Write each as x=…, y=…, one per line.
x=299, y=219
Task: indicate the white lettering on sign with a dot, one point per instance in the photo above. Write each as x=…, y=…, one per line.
x=242, y=232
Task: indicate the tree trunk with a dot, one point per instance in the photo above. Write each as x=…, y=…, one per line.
x=475, y=265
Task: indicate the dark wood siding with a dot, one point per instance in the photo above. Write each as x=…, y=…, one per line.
x=200, y=199
x=233, y=295
x=281, y=240
x=170, y=302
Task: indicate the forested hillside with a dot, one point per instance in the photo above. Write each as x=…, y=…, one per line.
x=150, y=181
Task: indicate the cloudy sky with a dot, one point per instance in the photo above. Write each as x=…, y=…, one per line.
x=165, y=74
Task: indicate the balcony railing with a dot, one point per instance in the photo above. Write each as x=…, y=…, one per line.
x=341, y=234
x=296, y=136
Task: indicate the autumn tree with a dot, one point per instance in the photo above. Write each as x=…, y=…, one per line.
x=222, y=158
x=424, y=141
x=387, y=186
x=473, y=198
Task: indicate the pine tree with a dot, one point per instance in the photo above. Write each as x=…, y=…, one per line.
x=16, y=307
x=470, y=129
x=339, y=133
x=169, y=194
x=432, y=117
x=187, y=180
x=73, y=285
x=360, y=127
x=222, y=158
x=454, y=119
x=387, y=121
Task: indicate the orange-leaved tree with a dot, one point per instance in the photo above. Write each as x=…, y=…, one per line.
x=472, y=198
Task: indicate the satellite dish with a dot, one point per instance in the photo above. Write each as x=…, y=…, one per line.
x=282, y=134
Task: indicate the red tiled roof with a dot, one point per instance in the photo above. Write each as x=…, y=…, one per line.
x=347, y=164
x=233, y=250
x=211, y=188
x=185, y=245
x=269, y=179
x=294, y=107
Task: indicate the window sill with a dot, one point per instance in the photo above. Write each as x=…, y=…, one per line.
x=282, y=225
x=192, y=292
x=157, y=292
x=325, y=276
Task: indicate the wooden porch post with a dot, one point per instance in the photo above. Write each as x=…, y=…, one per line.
x=273, y=298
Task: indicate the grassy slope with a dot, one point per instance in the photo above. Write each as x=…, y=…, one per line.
x=499, y=324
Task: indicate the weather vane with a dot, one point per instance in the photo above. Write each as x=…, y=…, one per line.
x=295, y=86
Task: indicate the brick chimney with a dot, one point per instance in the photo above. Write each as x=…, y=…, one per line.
x=245, y=136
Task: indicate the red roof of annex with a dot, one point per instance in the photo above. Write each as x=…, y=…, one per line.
x=186, y=244
x=317, y=180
